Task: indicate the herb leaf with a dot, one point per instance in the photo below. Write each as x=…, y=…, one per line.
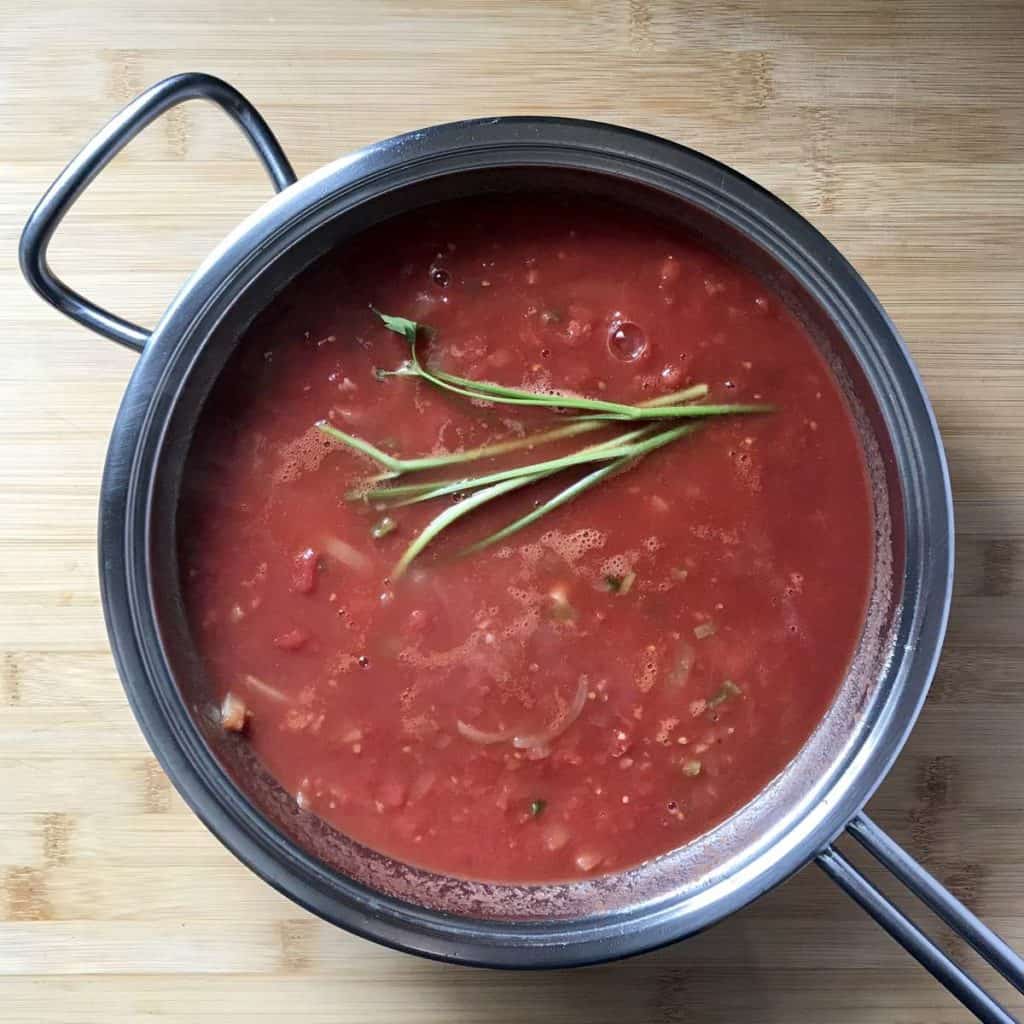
x=537, y=807
x=400, y=325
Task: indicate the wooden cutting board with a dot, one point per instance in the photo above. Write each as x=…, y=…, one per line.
x=897, y=129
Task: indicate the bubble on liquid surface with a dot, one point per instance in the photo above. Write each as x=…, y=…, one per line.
x=627, y=341
x=571, y=547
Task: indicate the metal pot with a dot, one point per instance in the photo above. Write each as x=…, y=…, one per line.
x=794, y=820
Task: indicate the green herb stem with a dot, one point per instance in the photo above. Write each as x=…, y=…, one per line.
x=596, y=407
x=678, y=412
x=455, y=512
x=439, y=488
x=578, y=426
x=574, y=490
x=398, y=467
x=402, y=466
x=690, y=394
x=484, y=391
x=385, y=460
x=500, y=393
x=619, y=453
x=530, y=441
x=562, y=498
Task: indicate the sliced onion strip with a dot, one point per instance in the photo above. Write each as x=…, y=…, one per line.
x=542, y=739
x=484, y=739
x=265, y=688
x=346, y=554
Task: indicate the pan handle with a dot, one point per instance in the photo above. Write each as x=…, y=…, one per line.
x=75, y=178
x=945, y=905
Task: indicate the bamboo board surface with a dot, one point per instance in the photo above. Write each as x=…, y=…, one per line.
x=898, y=129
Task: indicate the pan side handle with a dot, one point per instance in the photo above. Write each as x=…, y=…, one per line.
x=930, y=891
x=75, y=178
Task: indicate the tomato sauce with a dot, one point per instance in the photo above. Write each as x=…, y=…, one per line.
x=601, y=687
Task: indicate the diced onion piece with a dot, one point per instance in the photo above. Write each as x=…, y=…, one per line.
x=383, y=527
x=543, y=739
x=304, y=572
x=691, y=768
x=680, y=673
x=346, y=554
x=264, y=688
x=422, y=785
x=233, y=713
x=556, y=835
x=485, y=739
x=561, y=610
x=587, y=860
x=291, y=640
x=703, y=630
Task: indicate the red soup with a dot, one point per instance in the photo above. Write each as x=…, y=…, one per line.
x=607, y=682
